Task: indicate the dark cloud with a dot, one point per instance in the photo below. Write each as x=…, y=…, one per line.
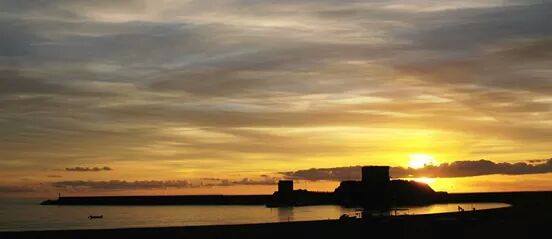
x=121, y=184
x=13, y=82
x=333, y=174
x=469, y=29
x=445, y=170
x=88, y=169
x=243, y=181
x=475, y=168
x=486, y=71
x=211, y=179
x=18, y=42
x=156, y=184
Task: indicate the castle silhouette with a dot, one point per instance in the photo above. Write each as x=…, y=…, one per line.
x=375, y=190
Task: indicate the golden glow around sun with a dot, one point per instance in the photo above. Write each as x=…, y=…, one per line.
x=425, y=180
x=420, y=160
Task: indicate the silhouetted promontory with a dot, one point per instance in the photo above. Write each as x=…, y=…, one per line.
x=375, y=190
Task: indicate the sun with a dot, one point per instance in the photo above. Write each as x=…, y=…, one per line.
x=421, y=160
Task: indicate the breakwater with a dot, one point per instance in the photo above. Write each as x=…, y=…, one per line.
x=163, y=200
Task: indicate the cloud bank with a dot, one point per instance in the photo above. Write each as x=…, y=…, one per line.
x=88, y=169
x=121, y=184
x=243, y=181
x=445, y=170
x=156, y=184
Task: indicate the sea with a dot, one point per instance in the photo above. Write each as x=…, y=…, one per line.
x=29, y=215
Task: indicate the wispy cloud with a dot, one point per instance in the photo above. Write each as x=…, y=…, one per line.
x=152, y=85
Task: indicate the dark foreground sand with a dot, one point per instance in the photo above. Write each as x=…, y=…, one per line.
x=520, y=221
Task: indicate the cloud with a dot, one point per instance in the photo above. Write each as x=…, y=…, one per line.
x=17, y=83
x=271, y=81
x=243, y=181
x=534, y=161
x=471, y=28
x=88, y=169
x=15, y=44
x=121, y=184
x=475, y=168
x=333, y=174
x=156, y=184
x=445, y=170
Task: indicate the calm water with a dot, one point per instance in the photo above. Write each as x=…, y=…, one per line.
x=17, y=215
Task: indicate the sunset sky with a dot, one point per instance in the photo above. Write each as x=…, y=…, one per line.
x=162, y=96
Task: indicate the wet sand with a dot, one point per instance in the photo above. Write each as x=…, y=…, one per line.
x=520, y=221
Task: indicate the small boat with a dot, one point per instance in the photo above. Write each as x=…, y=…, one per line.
x=95, y=217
